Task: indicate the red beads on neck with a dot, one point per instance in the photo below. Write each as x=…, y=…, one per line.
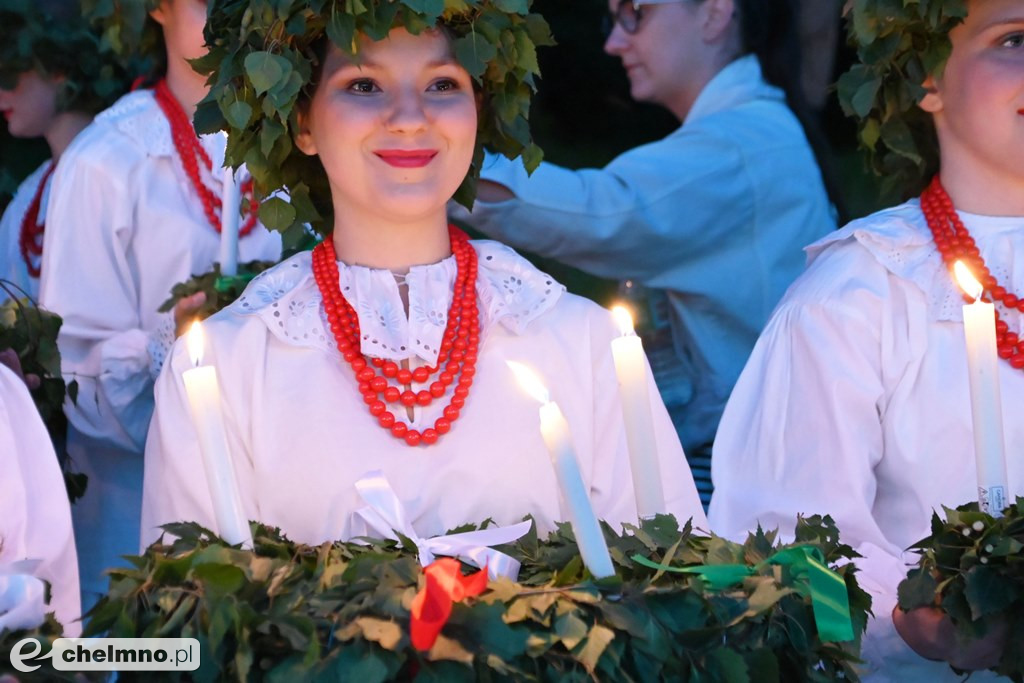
x=30, y=239
x=191, y=153
x=456, y=360
x=956, y=244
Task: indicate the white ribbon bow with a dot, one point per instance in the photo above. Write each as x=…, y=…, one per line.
x=22, y=596
x=385, y=515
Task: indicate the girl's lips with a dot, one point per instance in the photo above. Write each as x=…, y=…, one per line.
x=407, y=158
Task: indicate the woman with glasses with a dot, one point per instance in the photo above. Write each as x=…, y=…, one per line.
x=715, y=214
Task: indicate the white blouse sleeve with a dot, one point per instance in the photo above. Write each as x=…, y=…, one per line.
x=35, y=518
x=802, y=432
x=653, y=209
x=175, y=486
x=88, y=280
x=614, y=499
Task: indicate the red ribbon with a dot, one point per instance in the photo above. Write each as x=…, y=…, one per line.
x=432, y=606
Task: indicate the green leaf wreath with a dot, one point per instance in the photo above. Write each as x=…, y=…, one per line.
x=54, y=40
x=341, y=611
x=31, y=333
x=899, y=43
x=262, y=56
x=972, y=566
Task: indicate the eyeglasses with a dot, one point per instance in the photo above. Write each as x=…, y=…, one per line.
x=629, y=14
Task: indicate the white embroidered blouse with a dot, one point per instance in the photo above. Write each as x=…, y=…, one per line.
x=855, y=403
x=124, y=225
x=12, y=265
x=301, y=436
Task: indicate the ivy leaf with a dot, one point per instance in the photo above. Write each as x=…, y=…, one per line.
x=276, y=214
x=989, y=591
x=265, y=70
x=473, y=52
x=238, y=114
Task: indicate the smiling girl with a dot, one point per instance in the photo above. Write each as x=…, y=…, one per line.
x=855, y=402
x=386, y=348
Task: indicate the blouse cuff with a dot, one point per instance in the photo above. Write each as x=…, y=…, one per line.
x=159, y=344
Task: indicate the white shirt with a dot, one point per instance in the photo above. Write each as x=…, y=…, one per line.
x=35, y=518
x=301, y=435
x=855, y=403
x=716, y=214
x=12, y=265
x=125, y=225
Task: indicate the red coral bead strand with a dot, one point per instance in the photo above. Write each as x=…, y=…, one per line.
x=30, y=239
x=954, y=243
x=457, y=356
x=191, y=152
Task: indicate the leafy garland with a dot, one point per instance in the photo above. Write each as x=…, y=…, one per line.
x=263, y=54
x=127, y=30
x=31, y=332
x=32, y=39
x=972, y=566
x=899, y=43
x=45, y=633
x=294, y=612
x=220, y=290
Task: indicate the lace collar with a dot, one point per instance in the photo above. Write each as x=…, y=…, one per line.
x=138, y=116
x=510, y=289
x=900, y=240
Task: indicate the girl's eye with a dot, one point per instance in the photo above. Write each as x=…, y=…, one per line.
x=1013, y=40
x=444, y=85
x=363, y=86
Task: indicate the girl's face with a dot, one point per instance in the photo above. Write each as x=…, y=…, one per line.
x=31, y=107
x=978, y=103
x=182, y=22
x=395, y=131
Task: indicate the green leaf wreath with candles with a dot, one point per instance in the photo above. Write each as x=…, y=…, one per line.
x=740, y=612
x=972, y=566
x=899, y=43
x=30, y=333
x=262, y=56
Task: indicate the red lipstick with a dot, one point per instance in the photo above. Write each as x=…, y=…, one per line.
x=407, y=158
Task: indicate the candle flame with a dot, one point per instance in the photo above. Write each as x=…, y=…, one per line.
x=623, y=319
x=965, y=278
x=195, y=343
x=530, y=382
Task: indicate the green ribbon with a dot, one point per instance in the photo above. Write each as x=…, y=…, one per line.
x=829, y=599
x=224, y=283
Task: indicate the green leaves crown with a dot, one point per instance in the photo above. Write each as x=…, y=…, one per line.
x=262, y=55
x=341, y=611
x=52, y=44
x=899, y=43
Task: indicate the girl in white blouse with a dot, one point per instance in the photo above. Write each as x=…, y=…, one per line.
x=422, y=391
x=855, y=402
x=130, y=216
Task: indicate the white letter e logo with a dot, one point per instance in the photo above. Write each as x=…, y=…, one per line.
x=18, y=658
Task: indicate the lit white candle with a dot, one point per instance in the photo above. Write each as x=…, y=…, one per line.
x=986, y=404
x=555, y=431
x=203, y=393
x=628, y=354
x=230, y=209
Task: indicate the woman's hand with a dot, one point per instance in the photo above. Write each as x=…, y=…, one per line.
x=930, y=633
x=9, y=357
x=185, y=312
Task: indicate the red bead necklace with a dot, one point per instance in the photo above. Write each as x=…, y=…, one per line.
x=190, y=152
x=30, y=240
x=955, y=243
x=456, y=358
